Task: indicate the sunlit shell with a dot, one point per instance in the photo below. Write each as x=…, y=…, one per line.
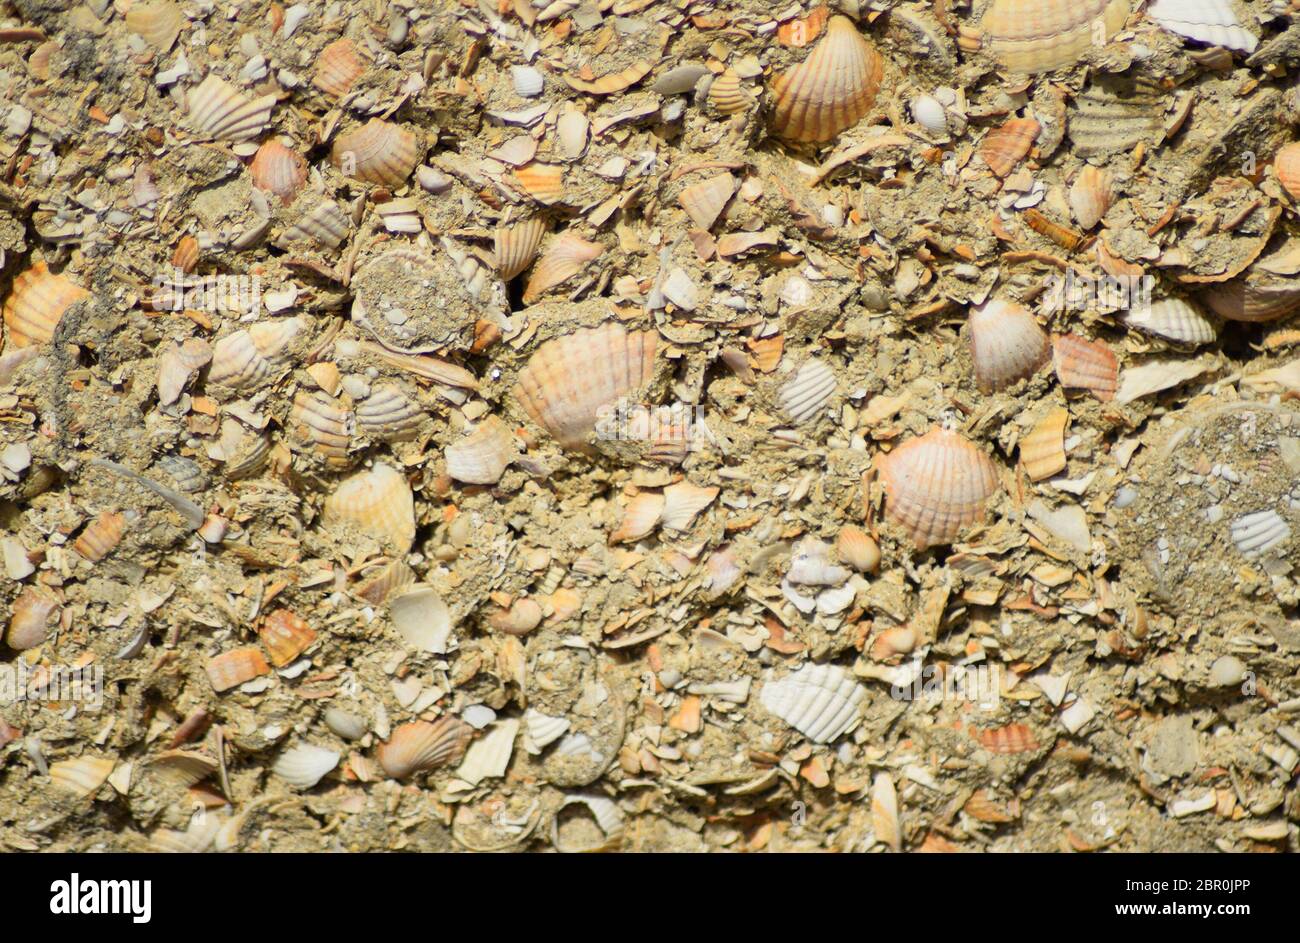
x=1174, y=319
x=528, y=82
x=1091, y=195
x=1042, y=451
x=570, y=379
x=338, y=67
x=481, y=457
x=326, y=225
x=727, y=95
x=178, y=364
x=101, y=536
x=831, y=90
x=384, y=580
x=1085, y=365
x=519, y=618
x=822, y=702
x=34, y=615
x=231, y=669
x=243, y=451
x=389, y=415
x=1253, y=299
x=705, y=201
x=83, y=775
x=1287, y=167
x=421, y=746
x=572, y=128
x=1005, y=147
x=858, y=549
x=1006, y=344
x=1207, y=21
x=278, y=169
x=935, y=485
x=543, y=182
x=1256, y=534
x=35, y=304
x=247, y=357
x=517, y=245
x=609, y=820
x=805, y=395
x=157, y=22
x=884, y=812
x=1013, y=738
x=1114, y=114
x=219, y=110
x=376, y=502
x=640, y=517
x=377, y=152
x=422, y=618
x=565, y=258
x=617, y=81
x=286, y=636
x=541, y=730
x=305, y=765
x=930, y=114
x=323, y=422
x=1044, y=35
x=683, y=502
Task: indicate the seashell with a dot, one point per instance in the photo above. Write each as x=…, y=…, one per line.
x=930, y=114
x=566, y=257
x=1251, y=299
x=517, y=245
x=34, y=615
x=810, y=565
x=326, y=225
x=383, y=580
x=541, y=730
x=1287, y=167
x=617, y=81
x=338, y=67
x=305, y=765
x=278, y=169
x=640, y=517
x=218, y=110
x=286, y=636
x=231, y=669
x=682, y=502
x=1227, y=671
x=345, y=723
x=377, y=152
x=144, y=190
x=35, y=305
x=1005, y=147
x=528, y=81
x=420, y=746
x=522, y=616
x=489, y=757
x=185, y=473
x=481, y=457
x=543, y=182
x=1258, y=533
x=705, y=201
x=831, y=90
x=247, y=357
x=679, y=80
x=806, y=394
x=1006, y=344
x=1174, y=319
x=157, y=22
x=323, y=422
x=101, y=536
x=935, y=485
x=568, y=380
x=572, y=128
x=727, y=95
x=1044, y=35
x=884, y=812
x=1113, y=115
x=822, y=702
x=83, y=775
x=1013, y=738
x=516, y=152
x=1085, y=365
x=1042, y=451
x=377, y=502
x=608, y=817
x=177, y=366
x=1206, y=21
x=243, y=451
x=858, y=549
x=1091, y=196
x=422, y=619
x=389, y=415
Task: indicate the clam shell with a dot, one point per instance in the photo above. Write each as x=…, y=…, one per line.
x=569, y=379
x=640, y=517
x=609, y=819
x=1042, y=451
x=217, y=109
x=178, y=364
x=389, y=415
x=1174, y=319
x=1256, y=534
x=247, y=357
x=522, y=616
x=278, y=169
x=376, y=502
x=34, y=615
x=101, y=536
x=858, y=549
x=325, y=424
x=1006, y=344
x=727, y=95
x=822, y=702
x=35, y=304
x=326, y=225
x=1091, y=196
x=565, y=258
x=305, y=765
x=517, y=245
x=1287, y=167
x=543, y=182
x=935, y=485
x=705, y=201
x=83, y=775
x=422, y=618
x=1085, y=365
x=489, y=756
x=831, y=90
x=377, y=152
x=1044, y=35
x=481, y=457
x=1013, y=738
x=683, y=502
x=541, y=730
x=383, y=580
x=345, y=723
x=157, y=22
x=338, y=67
x=1005, y=147
x=421, y=746
x=528, y=81
x=231, y=669
x=805, y=395
x=1207, y=21
x=571, y=129
x=1113, y=115
x=286, y=636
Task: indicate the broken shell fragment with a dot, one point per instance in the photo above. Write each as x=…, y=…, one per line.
x=231, y=669
x=1086, y=365
x=1174, y=319
x=421, y=746
x=36, y=304
x=1005, y=147
x=1256, y=534
x=1044, y=35
x=1042, y=451
x=286, y=636
x=565, y=258
x=219, y=110
x=1006, y=344
x=422, y=618
x=83, y=775
x=806, y=394
x=33, y=617
x=338, y=67
x=705, y=201
x=157, y=22
x=481, y=457
x=377, y=502
x=519, y=618
x=822, y=702
x=101, y=536
x=1206, y=21
x=936, y=485
x=1287, y=167
x=831, y=90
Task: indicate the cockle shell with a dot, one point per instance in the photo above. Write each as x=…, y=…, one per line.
x=822, y=702
x=705, y=201
x=325, y=424
x=1013, y=738
x=1207, y=21
x=83, y=775
x=326, y=225
x=930, y=114
x=565, y=257
x=806, y=394
x=219, y=110
x=571, y=378
x=1085, y=365
x=1005, y=147
x=420, y=746
x=157, y=22
x=178, y=364
x=1287, y=167
x=1006, y=344
x=858, y=549
x=286, y=635
x=1091, y=195
x=1042, y=451
x=233, y=668
x=33, y=616
x=247, y=357
x=481, y=457
x=1253, y=299
x=377, y=502
x=278, y=169
x=1114, y=114
x=377, y=152
x=517, y=245
x=1044, y=35
x=389, y=415
x=422, y=618
x=528, y=81
x=935, y=485
x=831, y=90
x=305, y=764
x=543, y=182
x=572, y=128
x=728, y=95
x=101, y=536
x=683, y=502
x=1258, y=533
x=640, y=517
x=338, y=67
x=36, y=303
x=243, y=451
x=1174, y=319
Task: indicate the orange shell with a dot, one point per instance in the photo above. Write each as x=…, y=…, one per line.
x=1085, y=365
x=377, y=152
x=1287, y=167
x=566, y=257
x=278, y=169
x=1042, y=451
x=420, y=745
x=101, y=536
x=935, y=485
x=286, y=636
x=517, y=244
x=377, y=501
x=1013, y=738
x=338, y=67
x=35, y=305
x=1043, y=35
x=1005, y=147
x=831, y=90
x=543, y=182
x=33, y=616
x=233, y=668
x=705, y=201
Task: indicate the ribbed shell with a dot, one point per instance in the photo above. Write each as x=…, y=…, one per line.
x=569, y=379
x=338, y=67
x=1042, y=451
x=1257, y=533
x=305, y=765
x=323, y=422
x=1043, y=35
x=1085, y=365
x=420, y=746
x=247, y=357
x=571, y=129
x=543, y=182
x=326, y=225
x=157, y=22
x=1113, y=115
x=541, y=730
x=822, y=702
x=517, y=245
x=705, y=201
x=101, y=536
x=380, y=152
x=481, y=457
x=378, y=502
x=219, y=110
x=640, y=517
x=1174, y=319
x=806, y=394
x=231, y=669
x=278, y=169
x=33, y=616
x=1005, y=147
x=935, y=485
x=286, y=636
x=1250, y=299
x=831, y=90
x=1091, y=195
x=727, y=95
x=83, y=775
x=1287, y=167
x=858, y=549
x=565, y=258
x=1006, y=344
x=683, y=502
x=35, y=304
x=1207, y=21
x=177, y=364
x=389, y=415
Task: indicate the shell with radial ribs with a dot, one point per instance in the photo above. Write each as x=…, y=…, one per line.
x=82, y=775
x=822, y=702
x=1005, y=147
x=1042, y=450
x=377, y=502
x=936, y=485
x=568, y=381
x=1006, y=344
x=323, y=423
x=246, y=358
x=481, y=457
x=1044, y=35
x=1258, y=533
x=325, y=224
x=1287, y=167
x=101, y=536
x=1091, y=195
x=36, y=304
x=388, y=415
x=805, y=395
x=1207, y=21
x=516, y=245
x=305, y=764
x=705, y=201
x=377, y=152
x=278, y=169
x=1082, y=364
x=831, y=90
x=421, y=746
x=33, y=616
x=218, y=110
x=565, y=258
x=683, y=502
x=286, y=635
x=178, y=364
x=338, y=67
x=157, y=22
x=1175, y=319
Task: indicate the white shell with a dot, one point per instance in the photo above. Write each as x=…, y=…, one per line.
x=811, y=565
x=1207, y=21
x=572, y=129
x=930, y=114
x=305, y=765
x=528, y=81
x=1258, y=533
x=345, y=723
x=606, y=813
x=422, y=618
x=489, y=757
x=682, y=502
x=804, y=395
x=822, y=702
x=1174, y=319
x=541, y=730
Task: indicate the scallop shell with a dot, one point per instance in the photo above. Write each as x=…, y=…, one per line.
x=34, y=614
x=323, y=422
x=1174, y=319
x=1091, y=196
x=422, y=618
x=101, y=536
x=420, y=746
x=305, y=765
x=1114, y=114
x=1044, y=35
x=178, y=364
x=1042, y=451
x=481, y=457
x=286, y=636
x=1085, y=365
x=83, y=775
x=1006, y=344
x=35, y=305
x=569, y=379
x=326, y=225
x=218, y=110
x=377, y=502
x=727, y=95
x=831, y=90
x=935, y=485
x=247, y=357
x=565, y=258
x=1206, y=21
x=377, y=152
x=609, y=819
x=1255, y=535
x=822, y=702
x=528, y=81
x=705, y=201
x=1005, y=147
x=858, y=549
x=541, y=730
x=389, y=415
x=683, y=502
x=543, y=182
x=157, y=22
x=231, y=669
x=338, y=67
x=517, y=245
x=571, y=129
x=278, y=169
x=1287, y=167
x=640, y=517
x=1252, y=299
x=805, y=395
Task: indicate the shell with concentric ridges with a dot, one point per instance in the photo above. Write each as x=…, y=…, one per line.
x=1043, y=35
